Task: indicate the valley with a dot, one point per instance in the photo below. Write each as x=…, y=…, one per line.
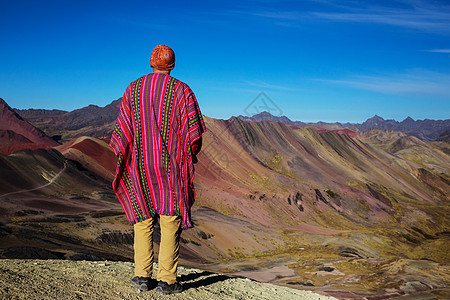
x=349, y=213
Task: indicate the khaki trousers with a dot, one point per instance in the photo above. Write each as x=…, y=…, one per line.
x=169, y=248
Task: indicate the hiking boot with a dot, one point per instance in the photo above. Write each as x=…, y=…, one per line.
x=166, y=289
x=141, y=283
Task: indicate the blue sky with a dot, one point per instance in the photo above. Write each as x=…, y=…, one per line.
x=317, y=60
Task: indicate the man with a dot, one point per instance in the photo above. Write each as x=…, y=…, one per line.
x=156, y=139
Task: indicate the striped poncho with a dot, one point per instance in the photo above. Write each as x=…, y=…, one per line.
x=158, y=122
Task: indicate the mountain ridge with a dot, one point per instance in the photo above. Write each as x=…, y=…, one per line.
x=63, y=126
x=428, y=130
x=99, y=121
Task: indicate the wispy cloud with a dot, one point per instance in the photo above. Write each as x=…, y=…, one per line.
x=422, y=15
x=266, y=85
x=415, y=83
x=419, y=19
x=439, y=50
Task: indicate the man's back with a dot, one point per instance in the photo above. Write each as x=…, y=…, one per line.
x=159, y=120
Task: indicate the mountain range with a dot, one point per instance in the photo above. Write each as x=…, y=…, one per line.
x=98, y=121
x=426, y=130
x=329, y=207
x=63, y=125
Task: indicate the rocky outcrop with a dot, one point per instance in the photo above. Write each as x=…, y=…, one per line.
x=445, y=136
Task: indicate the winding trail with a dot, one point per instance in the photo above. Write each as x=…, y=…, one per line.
x=39, y=187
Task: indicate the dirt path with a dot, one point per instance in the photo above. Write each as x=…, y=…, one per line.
x=41, y=186
x=64, y=279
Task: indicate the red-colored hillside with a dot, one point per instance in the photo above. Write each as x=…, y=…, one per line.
x=16, y=133
x=345, y=131
x=94, y=154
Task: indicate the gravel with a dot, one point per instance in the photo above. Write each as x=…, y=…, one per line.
x=65, y=279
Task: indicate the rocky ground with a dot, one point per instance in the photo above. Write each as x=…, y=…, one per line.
x=65, y=279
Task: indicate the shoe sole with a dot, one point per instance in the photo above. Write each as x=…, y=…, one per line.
x=142, y=287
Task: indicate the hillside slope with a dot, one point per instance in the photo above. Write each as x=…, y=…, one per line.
x=93, y=154
x=331, y=173
x=16, y=133
x=433, y=156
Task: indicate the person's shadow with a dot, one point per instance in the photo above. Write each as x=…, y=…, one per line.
x=190, y=281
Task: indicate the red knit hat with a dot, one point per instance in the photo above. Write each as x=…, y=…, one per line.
x=163, y=58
